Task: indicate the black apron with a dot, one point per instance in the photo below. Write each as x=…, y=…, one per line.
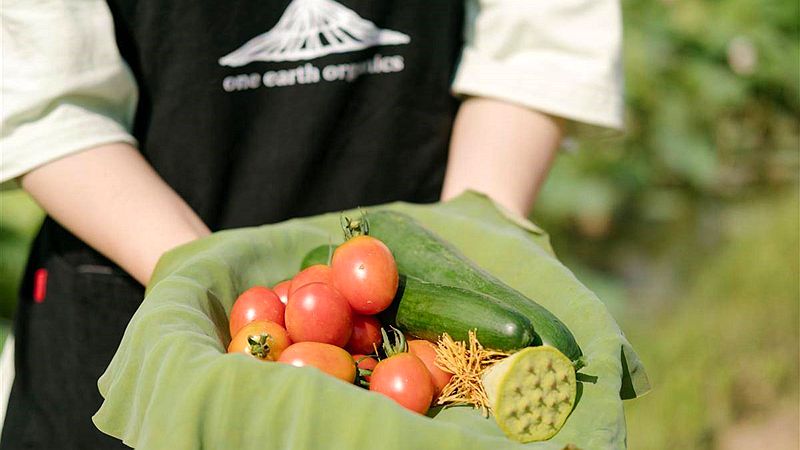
x=254, y=112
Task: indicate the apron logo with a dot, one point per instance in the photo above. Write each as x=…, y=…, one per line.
x=310, y=29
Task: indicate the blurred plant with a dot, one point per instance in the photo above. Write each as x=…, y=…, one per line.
x=713, y=97
x=713, y=100
x=19, y=220
x=726, y=350
x=687, y=226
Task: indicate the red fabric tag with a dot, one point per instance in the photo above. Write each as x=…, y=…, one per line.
x=39, y=285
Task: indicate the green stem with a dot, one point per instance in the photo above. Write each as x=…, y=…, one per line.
x=259, y=345
x=399, y=346
x=355, y=227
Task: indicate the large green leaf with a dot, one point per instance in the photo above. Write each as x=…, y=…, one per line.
x=171, y=385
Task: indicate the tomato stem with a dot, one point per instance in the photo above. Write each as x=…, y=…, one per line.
x=355, y=227
x=259, y=345
x=361, y=377
x=399, y=346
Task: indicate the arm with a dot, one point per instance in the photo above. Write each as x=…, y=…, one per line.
x=68, y=105
x=501, y=149
x=112, y=199
x=526, y=68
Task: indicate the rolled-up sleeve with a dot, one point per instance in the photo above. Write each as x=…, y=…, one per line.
x=65, y=87
x=561, y=57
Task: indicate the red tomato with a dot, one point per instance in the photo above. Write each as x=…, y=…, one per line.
x=282, y=290
x=256, y=303
x=318, y=273
x=365, y=363
x=405, y=379
x=426, y=352
x=316, y=312
x=365, y=272
x=328, y=358
x=261, y=339
x=366, y=335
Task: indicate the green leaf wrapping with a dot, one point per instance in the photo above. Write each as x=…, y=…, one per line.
x=170, y=384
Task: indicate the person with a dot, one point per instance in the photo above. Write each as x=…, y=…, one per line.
x=139, y=126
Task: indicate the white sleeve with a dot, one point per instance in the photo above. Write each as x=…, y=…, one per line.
x=65, y=87
x=560, y=57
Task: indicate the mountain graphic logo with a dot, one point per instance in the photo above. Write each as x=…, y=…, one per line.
x=310, y=29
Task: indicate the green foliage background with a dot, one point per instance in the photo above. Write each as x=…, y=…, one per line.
x=687, y=226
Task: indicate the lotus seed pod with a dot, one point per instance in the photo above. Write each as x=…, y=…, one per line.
x=540, y=366
x=529, y=396
x=551, y=399
x=518, y=426
x=549, y=381
x=536, y=396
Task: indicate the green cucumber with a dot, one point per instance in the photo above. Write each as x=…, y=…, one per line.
x=426, y=310
x=422, y=254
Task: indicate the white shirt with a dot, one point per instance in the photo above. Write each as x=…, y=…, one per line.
x=65, y=87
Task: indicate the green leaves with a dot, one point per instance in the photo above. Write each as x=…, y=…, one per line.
x=711, y=91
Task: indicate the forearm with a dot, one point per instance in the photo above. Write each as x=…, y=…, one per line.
x=112, y=199
x=502, y=150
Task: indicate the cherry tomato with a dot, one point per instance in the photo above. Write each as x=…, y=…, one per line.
x=426, y=352
x=261, y=339
x=405, y=379
x=365, y=362
x=256, y=303
x=282, y=290
x=328, y=358
x=365, y=272
x=318, y=273
x=316, y=312
x=366, y=335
